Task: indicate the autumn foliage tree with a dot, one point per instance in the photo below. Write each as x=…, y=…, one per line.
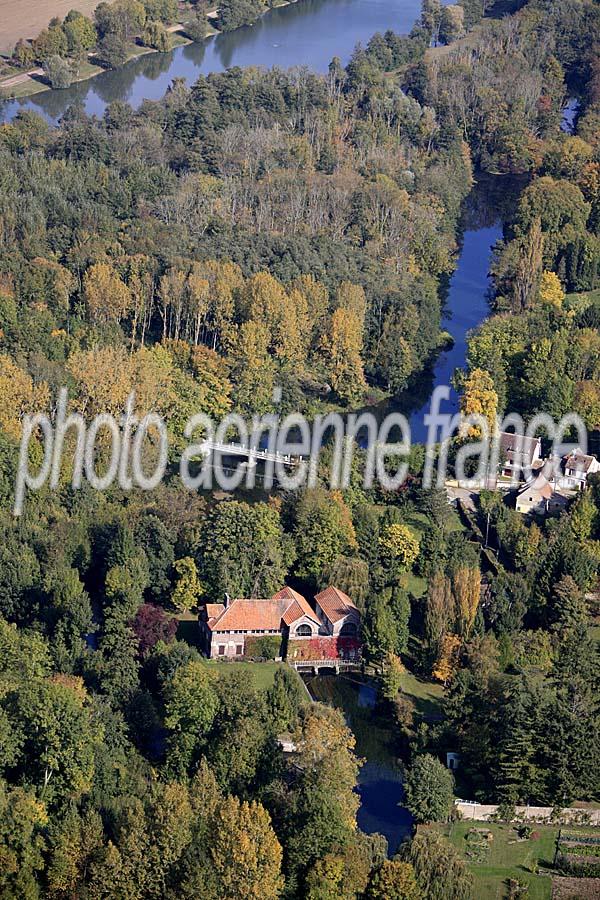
x=245, y=853
x=107, y=296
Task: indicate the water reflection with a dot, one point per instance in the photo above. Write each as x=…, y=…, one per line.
x=307, y=33
x=380, y=780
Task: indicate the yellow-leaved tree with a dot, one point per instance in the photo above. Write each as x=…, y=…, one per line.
x=551, y=291
x=447, y=661
x=479, y=398
x=399, y=545
x=245, y=852
x=107, y=296
x=341, y=347
x=19, y=396
x=466, y=585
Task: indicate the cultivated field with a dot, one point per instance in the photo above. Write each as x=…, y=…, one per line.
x=26, y=18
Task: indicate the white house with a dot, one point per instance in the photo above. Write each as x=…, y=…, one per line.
x=577, y=467
x=518, y=453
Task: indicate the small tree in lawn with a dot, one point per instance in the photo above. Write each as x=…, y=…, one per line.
x=398, y=547
x=188, y=588
x=392, y=676
x=429, y=790
x=59, y=72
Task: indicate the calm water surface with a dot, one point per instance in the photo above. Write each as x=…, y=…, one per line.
x=308, y=33
x=380, y=780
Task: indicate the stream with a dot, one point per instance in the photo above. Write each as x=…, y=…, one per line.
x=380, y=779
x=310, y=33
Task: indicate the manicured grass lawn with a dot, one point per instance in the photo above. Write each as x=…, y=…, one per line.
x=428, y=697
x=509, y=858
x=262, y=674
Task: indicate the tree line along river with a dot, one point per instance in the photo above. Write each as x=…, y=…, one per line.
x=311, y=33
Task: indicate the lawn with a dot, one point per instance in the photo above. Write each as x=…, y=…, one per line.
x=427, y=696
x=262, y=674
x=582, y=300
x=509, y=858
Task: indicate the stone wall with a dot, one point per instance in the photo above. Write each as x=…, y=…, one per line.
x=540, y=814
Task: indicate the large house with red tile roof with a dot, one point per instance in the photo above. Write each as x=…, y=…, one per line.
x=334, y=623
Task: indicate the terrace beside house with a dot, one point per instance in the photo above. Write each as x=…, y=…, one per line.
x=330, y=630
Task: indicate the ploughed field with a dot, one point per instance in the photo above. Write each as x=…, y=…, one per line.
x=26, y=18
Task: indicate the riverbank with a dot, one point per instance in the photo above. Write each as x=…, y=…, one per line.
x=18, y=85
x=26, y=84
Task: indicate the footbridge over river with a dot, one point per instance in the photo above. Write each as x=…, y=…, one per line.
x=251, y=454
x=326, y=666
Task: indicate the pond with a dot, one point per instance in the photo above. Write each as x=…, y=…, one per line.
x=307, y=33
x=380, y=779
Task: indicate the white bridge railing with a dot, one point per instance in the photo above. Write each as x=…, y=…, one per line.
x=251, y=453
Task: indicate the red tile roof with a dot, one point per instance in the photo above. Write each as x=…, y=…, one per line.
x=335, y=604
x=299, y=607
x=251, y=615
x=286, y=606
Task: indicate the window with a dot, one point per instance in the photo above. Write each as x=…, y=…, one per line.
x=221, y=650
x=349, y=629
x=239, y=650
x=304, y=631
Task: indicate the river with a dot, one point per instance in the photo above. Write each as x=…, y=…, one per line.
x=380, y=780
x=308, y=33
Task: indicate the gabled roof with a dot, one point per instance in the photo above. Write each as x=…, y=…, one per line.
x=284, y=608
x=250, y=615
x=540, y=488
x=213, y=611
x=298, y=608
x=580, y=462
x=518, y=448
x=335, y=604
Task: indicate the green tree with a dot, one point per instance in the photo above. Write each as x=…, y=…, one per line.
x=80, y=33
x=395, y=880
x=155, y=35
x=284, y=699
x=188, y=589
x=322, y=802
x=244, y=551
x=429, y=789
x=191, y=705
x=440, y=871
x=59, y=735
x=324, y=532
x=23, y=820
x=392, y=676
x=59, y=72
